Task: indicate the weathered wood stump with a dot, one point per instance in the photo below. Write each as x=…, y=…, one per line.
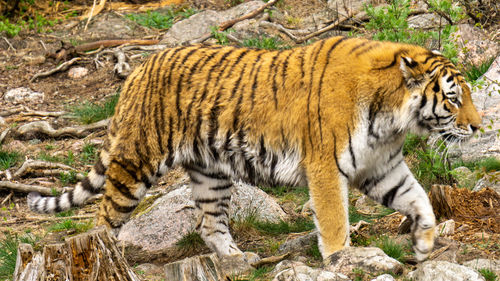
x=89, y=256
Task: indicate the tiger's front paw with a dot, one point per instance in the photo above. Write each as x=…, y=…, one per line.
x=423, y=237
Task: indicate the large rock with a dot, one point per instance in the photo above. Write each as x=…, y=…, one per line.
x=487, y=101
x=298, y=271
x=491, y=180
x=199, y=24
x=369, y=259
x=161, y=225
x=493, y=265
x=384, y=277
x=473, y=45
x=298, y=244
x=444, y=271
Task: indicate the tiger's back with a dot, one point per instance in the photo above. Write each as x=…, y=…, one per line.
x=329, y=115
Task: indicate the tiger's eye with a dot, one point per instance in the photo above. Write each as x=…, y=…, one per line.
x=453, y=100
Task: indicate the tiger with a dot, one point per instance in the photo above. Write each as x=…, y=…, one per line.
x=332, y=115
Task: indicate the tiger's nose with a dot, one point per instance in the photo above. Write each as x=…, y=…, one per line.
x=474, y=128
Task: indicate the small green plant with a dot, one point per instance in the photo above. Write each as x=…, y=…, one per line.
x=70, y=158
x=161, y=20
x=355, y=216
x=299, y=195
x=67, y=213
x=10, y=29
x=472, y=72
x=391, y=248
x=313, y=250
x=488, y=274
x=486, y=165
x=8, y=159
x=359, y=274
x=268, y=43
x=92, y=112
x=68, y=177
x=300, y=224
x=192, y=240
x=89, y=153
x=220, y=36
x=47, y=157
x=72, y=226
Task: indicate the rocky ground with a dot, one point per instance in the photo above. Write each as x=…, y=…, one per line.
x=276, y=224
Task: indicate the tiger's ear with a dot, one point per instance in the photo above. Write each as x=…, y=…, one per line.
x=411, y=71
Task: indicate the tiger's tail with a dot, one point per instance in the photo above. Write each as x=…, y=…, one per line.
x=88, y=187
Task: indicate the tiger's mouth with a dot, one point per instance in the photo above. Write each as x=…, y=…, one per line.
x=454, y=136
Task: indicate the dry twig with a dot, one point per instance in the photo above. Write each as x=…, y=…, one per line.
x=8, y=43
x=61, y=67
x=30, y=166
x=39, y=129
x=269, y=260
x=25, y=188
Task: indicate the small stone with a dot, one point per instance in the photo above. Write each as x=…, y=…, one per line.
x=491, y=180
x=445, y=228
x=384, y=277
x=22, y=94
x=463, y=227
x=77, y=72
x=34, y=60
x=2, y=121
x=444, y=271
x=299, y=243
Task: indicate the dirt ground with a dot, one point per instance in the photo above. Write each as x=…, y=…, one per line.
x=27, y=55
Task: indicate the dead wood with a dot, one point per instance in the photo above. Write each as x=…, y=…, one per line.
x=122, y=68
x=25, y=188
x=441, y=200
x=61, y=67
x=89, y=256
x=4, y=134
x=42, y=129
x=12, y=111
x=43, y=113
x=227, y=24
x=270, y=260
x=39, y=167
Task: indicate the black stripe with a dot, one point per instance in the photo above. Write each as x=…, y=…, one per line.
x=353, y=158
x=221, y=187
x=159, y=137
x=198, y=170
x=366, y=49
x=358, y=46
x=423, y=102
x=206, y=201
x=214, y=214
x=436, y=87
x=222, y=205
x=194, y=179
x=87, y=186
x=394, y=60
x=124, y=190
x=315, y=57
x=118, y=207
x=170, y=157
x=406, y=190
x=99, y=167
x=335, y=156
x=146, y=181
x=388, y=198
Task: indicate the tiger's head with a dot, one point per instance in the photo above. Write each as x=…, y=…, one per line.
x=440, y=99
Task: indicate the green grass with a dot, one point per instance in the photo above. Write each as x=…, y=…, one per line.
x=88, y=112
x=38, y=23
x=256, y=274
x=220, y=36
x=299, y=195
x=161, y=20
x=68, y=178
x=488, y=274
x=8, y=253
x=275, y=228
x=268, y=43
x=392, y=249
x=89, y=153
x=67, y=213
x=487, y=164
x=472, y=72
x=8, y=159
x=70, y=225
x=355, y=217
x=192, y=240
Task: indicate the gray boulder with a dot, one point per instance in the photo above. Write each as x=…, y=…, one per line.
x=298, y=271
x=491, y=180
x=493, y=265
x=444, y=271
x=199, y=24
x=369, y=259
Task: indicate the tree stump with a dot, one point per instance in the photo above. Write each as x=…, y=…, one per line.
x=442, y=200
x=89, y=256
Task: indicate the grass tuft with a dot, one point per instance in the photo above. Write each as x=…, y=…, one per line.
x=8, y=159
x=391, y=248
x=300, y=224
x=161, y=20
x=488, y=274
x=191, y=241
x=268, y=43
x=88, y=113
x=70, y=225
x=472, y=72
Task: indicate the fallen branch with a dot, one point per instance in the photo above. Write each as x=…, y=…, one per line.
x=61, y=67
x=270, y=260
x=12, y=111
x=25, y=188
x=43, y=113
x=42, y=129
x=4, y=134
x=31, y=166
x=7, y=198
x=227, y=24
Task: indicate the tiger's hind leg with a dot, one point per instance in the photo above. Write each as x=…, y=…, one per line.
x=126, y=185
x=211, y=194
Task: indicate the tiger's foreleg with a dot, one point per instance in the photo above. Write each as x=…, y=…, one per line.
x=398, y=189
x=211, y=195
x=328, y=192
